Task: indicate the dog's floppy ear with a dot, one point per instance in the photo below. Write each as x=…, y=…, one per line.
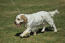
x=24, y=18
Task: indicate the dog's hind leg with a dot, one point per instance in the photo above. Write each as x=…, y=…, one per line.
x=51, y=22
x=55, y=30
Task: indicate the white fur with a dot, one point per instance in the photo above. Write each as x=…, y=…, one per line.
x=35, y=19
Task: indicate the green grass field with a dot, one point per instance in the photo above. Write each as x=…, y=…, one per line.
x=8, y=13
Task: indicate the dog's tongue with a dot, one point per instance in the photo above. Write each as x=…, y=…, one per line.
x=18, y=25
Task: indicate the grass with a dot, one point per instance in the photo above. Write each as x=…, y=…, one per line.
x=8, y=13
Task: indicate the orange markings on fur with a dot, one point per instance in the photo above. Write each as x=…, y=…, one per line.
x=24, y=18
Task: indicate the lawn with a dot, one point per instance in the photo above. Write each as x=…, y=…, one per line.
x=8, y=12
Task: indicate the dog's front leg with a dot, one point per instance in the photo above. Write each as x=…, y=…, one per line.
x=26, y=32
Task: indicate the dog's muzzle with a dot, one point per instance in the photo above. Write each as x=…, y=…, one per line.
x=18, y=24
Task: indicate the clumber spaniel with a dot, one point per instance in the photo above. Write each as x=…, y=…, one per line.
x=32, y=21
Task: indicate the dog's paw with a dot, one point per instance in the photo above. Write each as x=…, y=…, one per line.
x=55, y=31
x=24, y=36
x=21, y=36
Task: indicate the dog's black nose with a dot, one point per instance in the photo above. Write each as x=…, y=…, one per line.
x=15, y=22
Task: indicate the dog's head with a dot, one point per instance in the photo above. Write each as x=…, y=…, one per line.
x=20, y=19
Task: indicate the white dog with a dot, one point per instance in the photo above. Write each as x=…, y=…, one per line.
x=32, y=21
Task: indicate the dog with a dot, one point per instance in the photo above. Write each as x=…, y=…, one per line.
x=32, y=21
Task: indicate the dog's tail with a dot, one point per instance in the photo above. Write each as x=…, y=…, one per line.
x=52, y=13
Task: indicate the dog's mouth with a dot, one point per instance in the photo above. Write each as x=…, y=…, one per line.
x=17, y=24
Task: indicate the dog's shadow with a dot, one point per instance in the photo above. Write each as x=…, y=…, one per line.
x=48, y=29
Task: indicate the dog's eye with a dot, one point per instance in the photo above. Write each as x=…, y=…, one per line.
x=18, y=19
